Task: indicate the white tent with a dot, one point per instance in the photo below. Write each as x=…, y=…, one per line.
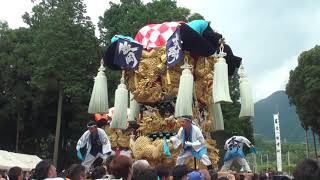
x=25, y=161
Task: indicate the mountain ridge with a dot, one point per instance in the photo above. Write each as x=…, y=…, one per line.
x=278, y=101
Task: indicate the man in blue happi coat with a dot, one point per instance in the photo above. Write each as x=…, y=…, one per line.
x=234, y=152
x=192, y=141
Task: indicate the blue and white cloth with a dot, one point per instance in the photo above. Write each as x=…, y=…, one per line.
x=194, y=145
x=234, y=147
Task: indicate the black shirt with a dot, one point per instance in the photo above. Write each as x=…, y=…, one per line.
x=96, y=145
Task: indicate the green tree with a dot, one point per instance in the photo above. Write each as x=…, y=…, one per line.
x=303, y=90
x=65, y=51
x=15, y=49
x=195, y=16
x=129, y=16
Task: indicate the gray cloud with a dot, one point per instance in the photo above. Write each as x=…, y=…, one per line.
x=266, y=34
x=269, y=35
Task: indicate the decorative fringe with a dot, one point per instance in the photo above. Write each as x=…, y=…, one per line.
x=220, y=80
x=134, y=109
x=99, y=97
x=135, y=78
x=168, y=77
x=185, y=92
x=120, y=106
x=247, y=106
x=217, y=117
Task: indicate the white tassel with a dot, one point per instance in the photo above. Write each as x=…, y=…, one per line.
x=217, y=117
x=247, y=106
x=134, y=108
x=220, y=81
x=99, y=96
x=120, y=106
x=185, y=93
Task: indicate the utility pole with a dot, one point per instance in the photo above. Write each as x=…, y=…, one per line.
x=307, y=143
x=58, y=126
x=315, y=145
x=267, y=162
x=289, y=161
x=255, y=162
x=261, y=159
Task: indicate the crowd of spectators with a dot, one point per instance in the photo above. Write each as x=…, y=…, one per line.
x=124, y=168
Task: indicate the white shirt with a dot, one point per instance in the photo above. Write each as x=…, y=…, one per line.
x=237, y=141
x=85, y=140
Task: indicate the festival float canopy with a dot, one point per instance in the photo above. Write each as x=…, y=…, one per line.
x=170, y=70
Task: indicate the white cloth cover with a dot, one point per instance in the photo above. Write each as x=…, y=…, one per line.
x=185, y=93
x=99, y=97
x=217, y=117
x=220, y=82
x=134, y=109
x=247, y=106
x=120, y=104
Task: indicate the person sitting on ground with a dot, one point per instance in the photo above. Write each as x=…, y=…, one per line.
x=307, y=169
x=45, y=170
x=180, y=172
x=76, y=172
x=163, y=172
x=15, y=173
x=121, y=167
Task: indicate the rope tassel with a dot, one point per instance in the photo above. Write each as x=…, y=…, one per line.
x=220, y=80
x=217, y=117
x=99, y=96
x=134, y=109
x=120, y=106
x=247, y=106
x=185, y=93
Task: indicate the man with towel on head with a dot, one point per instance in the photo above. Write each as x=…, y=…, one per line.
x=234, y=152
x=193, y=143
x=97, y=145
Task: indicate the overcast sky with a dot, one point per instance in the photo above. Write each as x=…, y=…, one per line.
x=268, y=35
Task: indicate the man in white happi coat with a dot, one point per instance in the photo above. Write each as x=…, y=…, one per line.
x=192, y=141
x=97, y=144
x=234, y=152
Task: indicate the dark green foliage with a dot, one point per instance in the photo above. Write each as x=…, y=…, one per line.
x=195, y=16
x=267, y=148
x=128, y=17
x=303, y=89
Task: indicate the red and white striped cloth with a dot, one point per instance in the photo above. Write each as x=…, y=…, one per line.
x=154, y=35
